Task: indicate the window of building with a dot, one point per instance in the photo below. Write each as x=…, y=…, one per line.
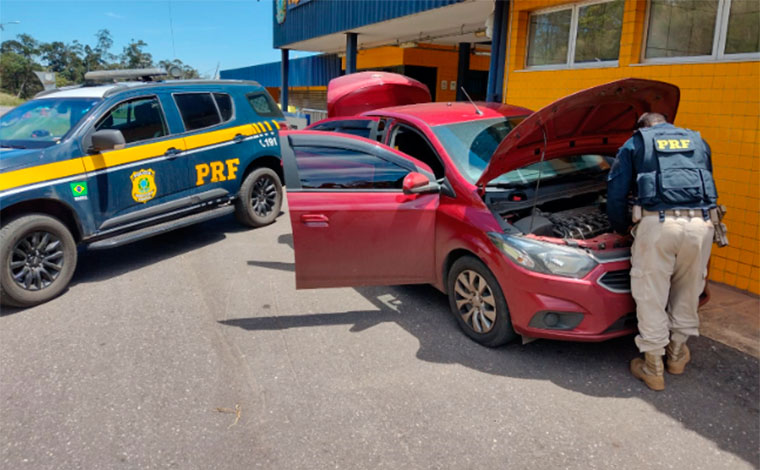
x=335, y=168
x=138, y=119
x=575, y=35
x=705, y=29
x=198, y=110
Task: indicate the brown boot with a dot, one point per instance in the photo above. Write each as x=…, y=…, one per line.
x=650, y=370
x=678, y=357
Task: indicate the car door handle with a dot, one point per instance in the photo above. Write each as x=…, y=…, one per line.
x=238, y=138
x=172, y=152
x=319, y=220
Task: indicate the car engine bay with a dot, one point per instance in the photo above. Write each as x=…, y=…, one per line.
x=575, y=217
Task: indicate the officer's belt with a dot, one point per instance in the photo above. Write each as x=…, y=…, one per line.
x=675, y=212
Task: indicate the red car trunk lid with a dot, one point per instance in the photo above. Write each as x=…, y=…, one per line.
x=354, y=94
x=595, y=120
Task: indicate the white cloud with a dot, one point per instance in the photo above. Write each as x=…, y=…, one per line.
x=111, y=14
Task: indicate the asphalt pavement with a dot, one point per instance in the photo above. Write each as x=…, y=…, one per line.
x=193, y=350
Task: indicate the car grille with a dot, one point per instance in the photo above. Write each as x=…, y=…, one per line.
x=616, y=281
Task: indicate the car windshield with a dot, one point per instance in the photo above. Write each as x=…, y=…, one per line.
x=554, y=168
x=43, y=121
x=471, y=145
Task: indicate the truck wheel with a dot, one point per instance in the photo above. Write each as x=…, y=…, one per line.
x=260, y=198
x=38, y=255
x=478, y=304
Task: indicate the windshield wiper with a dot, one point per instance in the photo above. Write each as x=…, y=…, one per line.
x=8, y=146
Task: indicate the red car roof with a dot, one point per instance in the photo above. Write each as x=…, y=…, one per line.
x=434, y=114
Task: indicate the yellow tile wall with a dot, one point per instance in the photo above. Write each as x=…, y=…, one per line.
x=719, y=99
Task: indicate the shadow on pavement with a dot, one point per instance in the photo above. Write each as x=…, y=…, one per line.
x=717, y=397
x=99, y=265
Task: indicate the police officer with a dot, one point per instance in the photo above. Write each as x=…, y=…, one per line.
x=670, y=171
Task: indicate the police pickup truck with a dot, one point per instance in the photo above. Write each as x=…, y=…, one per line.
x=103, y=165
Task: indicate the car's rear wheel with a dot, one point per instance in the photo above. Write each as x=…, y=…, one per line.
x=477, y=302
x=38, y=256
x=260, y=198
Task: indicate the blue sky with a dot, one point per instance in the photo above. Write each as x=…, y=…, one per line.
x=233, y=33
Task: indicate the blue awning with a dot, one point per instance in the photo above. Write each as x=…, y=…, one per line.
x=316, y=70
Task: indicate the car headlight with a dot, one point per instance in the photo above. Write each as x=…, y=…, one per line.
x=544, y=258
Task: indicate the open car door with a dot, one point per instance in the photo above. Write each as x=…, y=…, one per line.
x=353, y=224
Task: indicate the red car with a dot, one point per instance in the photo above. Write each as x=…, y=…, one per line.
x=501, y=208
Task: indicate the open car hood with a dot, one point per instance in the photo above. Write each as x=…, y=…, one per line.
x=595, y=120
x=354, y=94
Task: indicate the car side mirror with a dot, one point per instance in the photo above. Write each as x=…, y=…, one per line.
x=417, y=183
x=107, y=139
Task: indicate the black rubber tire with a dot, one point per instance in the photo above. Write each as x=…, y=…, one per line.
x=244, y=210
x=12, y=294
x=501, y=332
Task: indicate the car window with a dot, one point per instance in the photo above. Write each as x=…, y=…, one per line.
x=471, y=144
x=197, y=110
x=264, y=105
x=224, y=102
x=411, y=142
x=358, y=127
x=334, y=168
x=139, y=119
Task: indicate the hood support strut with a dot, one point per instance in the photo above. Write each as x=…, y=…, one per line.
x=538, y=180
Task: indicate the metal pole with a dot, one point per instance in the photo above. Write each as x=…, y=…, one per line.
x=351, y=52
x=284, y=78
x=499, y=91
x=498, y=44
x=463, y=68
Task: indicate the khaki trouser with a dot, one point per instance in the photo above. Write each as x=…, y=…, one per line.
x=668, y=271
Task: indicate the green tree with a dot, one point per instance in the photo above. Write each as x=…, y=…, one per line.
x=64, y=59
x=103, y=46
x=17, y=66
x=134, y=57
x=188, y=72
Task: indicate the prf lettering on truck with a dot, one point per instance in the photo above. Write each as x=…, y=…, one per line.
x=217, y=171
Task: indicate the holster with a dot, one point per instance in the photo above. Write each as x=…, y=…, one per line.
x=716, y=217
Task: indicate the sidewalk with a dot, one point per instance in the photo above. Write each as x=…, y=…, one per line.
x=732, y=317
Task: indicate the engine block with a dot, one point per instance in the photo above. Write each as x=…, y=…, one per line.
x=583, y=222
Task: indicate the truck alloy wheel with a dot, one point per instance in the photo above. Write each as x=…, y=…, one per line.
x=260, y=198
x=38, y=256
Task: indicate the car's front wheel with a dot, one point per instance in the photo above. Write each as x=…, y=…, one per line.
x=477, y=302
x=38, y=255
x=260, y=198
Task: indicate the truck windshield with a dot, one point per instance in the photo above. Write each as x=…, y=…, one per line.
x=42, y=122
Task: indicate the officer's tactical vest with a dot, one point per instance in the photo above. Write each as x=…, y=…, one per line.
x=675, y=170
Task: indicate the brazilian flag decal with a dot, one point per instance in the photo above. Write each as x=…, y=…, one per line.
x=79, y=189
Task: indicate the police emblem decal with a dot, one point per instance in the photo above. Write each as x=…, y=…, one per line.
x=143, y=185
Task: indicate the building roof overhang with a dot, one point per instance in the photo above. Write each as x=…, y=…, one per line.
x=464, y=21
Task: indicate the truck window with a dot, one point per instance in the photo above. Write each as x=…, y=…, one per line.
x=264, y=105
x=198, y=110
x=139, y=119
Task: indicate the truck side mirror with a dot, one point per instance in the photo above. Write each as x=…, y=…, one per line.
x=107, y=139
